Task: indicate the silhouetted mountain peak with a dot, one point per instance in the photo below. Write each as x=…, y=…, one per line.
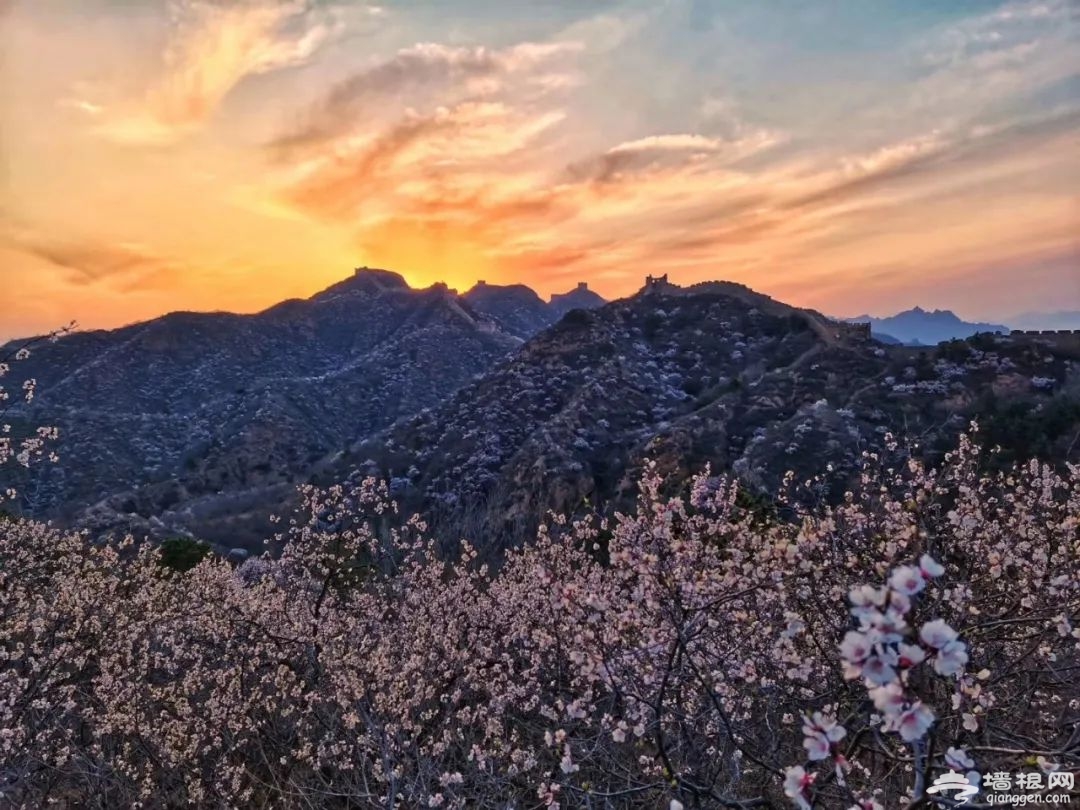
x=517, y=309
x=581, y=297
x=918, y=326
x=365, y=280
x=713, y=374
x=189, y=410
x=506, y=292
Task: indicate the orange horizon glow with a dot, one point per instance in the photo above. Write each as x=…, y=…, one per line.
x=210, y=155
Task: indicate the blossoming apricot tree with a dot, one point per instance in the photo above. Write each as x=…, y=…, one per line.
x=689, y=655
x=31, y=446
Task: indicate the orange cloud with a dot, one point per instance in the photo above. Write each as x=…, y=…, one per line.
x=399, y=167
x=662, y=152
x=87, y=261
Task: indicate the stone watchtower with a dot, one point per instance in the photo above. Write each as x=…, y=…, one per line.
x=658, y=285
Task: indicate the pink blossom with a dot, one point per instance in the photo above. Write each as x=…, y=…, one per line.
x=911, y=655
x=796, y=784
x=888, y=699
x=914, y=722
x=817, y=747
x=951, y=658
x=856, y=647
x=929, y=567
x=557, y=670
x=821, y=733
x=958, y=759
x=907, y=580
x=937, y=634
x=880, y=668
x=891, y=625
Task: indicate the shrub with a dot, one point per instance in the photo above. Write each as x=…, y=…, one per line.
x=183, y=553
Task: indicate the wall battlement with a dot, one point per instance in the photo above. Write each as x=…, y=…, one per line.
x=1067, y=340
x=1045, y=332
x=858, y=332
x=832, y=332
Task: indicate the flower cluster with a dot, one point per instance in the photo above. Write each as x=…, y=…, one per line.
x=884, y=653
x=19, y=444
x=885, y=649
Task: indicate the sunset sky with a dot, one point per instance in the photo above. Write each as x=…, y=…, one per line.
x=865, y=155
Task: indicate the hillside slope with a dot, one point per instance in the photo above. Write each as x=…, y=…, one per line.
x=209, y=411
x=205, y=424
x=686, y=377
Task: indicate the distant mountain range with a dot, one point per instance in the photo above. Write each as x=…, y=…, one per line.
x=485, y=409
x=920, y=327
x=521, y=312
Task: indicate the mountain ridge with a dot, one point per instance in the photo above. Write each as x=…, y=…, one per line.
x=713, y=374
x=520, y=310
x=155, y=401
x=482, y=419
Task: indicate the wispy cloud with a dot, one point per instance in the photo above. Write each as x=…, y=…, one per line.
x=937, y=158
x=972, y=66
x=668, y=143
x=213, y=46
x=123, y=265
x=423, y=73
x=676, y=199
x=665, y=152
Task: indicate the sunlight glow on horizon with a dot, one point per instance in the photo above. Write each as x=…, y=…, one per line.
x=212, y=155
